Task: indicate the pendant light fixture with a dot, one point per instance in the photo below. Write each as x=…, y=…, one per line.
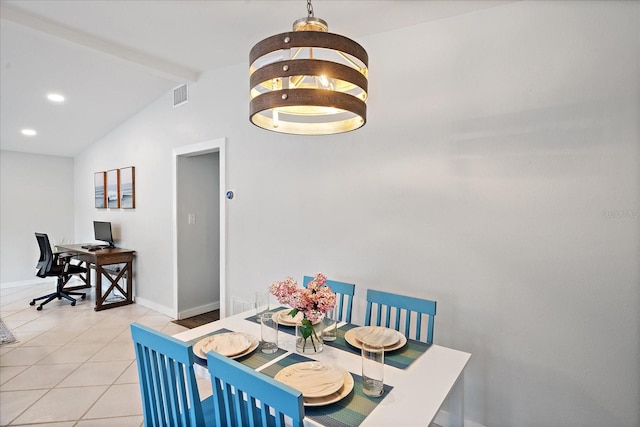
x=308, y=81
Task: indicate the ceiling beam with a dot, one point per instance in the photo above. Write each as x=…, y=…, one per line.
x=157, y=66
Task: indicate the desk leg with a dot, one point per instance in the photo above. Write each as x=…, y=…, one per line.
x=86, y=278
x=129, y=294
x=456, y=403
x=99, y=297
x=114, y=279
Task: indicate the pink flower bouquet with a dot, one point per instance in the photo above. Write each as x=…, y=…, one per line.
x=313, y=301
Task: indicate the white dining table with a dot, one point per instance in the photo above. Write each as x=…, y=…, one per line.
x=418, y=393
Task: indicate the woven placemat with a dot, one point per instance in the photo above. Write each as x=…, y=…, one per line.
x=350, y=411
x=254, y=360
x=401, y=358
x=6, y=336
x=291, y=330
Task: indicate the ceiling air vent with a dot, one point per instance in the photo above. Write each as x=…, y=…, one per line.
x=180, y=95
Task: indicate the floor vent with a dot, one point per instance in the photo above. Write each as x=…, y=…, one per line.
x=180, y=95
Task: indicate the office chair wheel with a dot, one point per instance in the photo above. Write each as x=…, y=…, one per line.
x=32, y=303
x=73, y=303
x=83, y=297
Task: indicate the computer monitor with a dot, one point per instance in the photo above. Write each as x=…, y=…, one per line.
x=102, y=231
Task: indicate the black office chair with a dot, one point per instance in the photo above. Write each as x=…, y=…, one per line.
x=49, y=266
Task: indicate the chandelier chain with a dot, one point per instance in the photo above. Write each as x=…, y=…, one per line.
x=310, y=9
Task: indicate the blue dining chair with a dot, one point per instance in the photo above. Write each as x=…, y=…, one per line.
x=388, y=302
x=344, y=296
x=245, y=397
x=168, y=386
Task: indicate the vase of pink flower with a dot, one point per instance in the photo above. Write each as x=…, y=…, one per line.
x=313, y=302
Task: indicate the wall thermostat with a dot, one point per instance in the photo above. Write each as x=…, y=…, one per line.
x=230, y=194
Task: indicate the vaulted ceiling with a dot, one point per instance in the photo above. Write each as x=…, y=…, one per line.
x=110, y=59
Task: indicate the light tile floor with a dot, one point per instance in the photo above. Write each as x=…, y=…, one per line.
x=72, y=366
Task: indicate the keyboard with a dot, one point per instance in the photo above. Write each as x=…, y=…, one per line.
x=92, y=247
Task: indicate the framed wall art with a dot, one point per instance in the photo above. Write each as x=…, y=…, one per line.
x=99, y=184
x=128, y=187
x=113, y=188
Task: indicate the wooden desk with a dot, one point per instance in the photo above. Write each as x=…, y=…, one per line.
x=115, y=264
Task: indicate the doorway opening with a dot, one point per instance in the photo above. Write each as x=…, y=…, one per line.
x=199, y=229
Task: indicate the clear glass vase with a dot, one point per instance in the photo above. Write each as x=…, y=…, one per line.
x=309, y=337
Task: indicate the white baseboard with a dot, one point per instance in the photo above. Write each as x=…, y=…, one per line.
x=442, y=419
x=198, y=310
x=38, y=281
x=156, y=307
x=168, y=311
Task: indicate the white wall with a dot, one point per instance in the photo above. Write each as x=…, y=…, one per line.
x=37, y=196
x=498, y=173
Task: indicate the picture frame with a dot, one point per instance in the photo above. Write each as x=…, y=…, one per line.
x=128, y=187
x=113, y=188
x=99, y=185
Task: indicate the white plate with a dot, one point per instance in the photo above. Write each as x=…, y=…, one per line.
x=379, y=335
x=230, y=344
x=313, y=379
x=350, y=337
x=335, y=397
x=285, y=319
x=227, y=344
x=255, y=342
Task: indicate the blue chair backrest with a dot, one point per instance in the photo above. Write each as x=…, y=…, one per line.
x=231, y=380
x=167, y=379
x=402, y=305
x=344, y=296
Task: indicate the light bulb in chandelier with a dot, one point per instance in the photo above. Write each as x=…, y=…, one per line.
x=323, y=82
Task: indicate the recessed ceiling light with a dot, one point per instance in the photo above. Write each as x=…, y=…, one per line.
x=55, y=97
x=28, y=132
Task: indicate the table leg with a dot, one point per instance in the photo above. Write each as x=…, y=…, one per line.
x=456, y=403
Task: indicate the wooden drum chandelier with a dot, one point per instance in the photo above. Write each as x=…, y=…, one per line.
x=308, y=81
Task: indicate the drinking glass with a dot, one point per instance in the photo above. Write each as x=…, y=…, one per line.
x=269, y=332
x=372, y=369
x=261, y=303
x=330, y=332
